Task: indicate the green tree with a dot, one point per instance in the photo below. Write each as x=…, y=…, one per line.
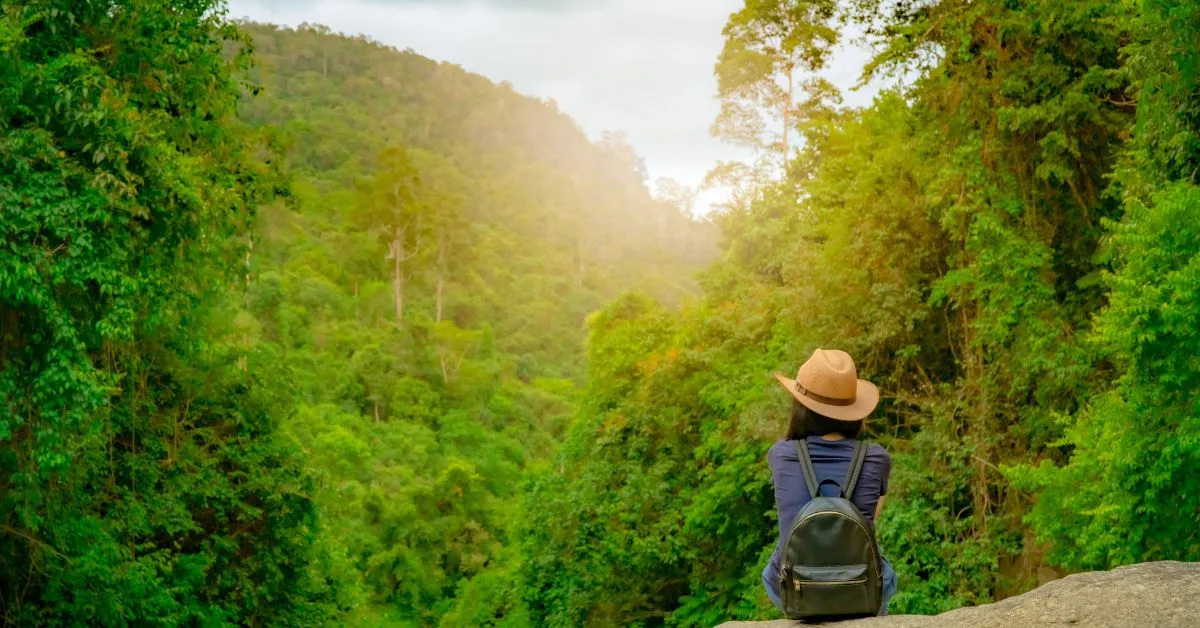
x=766, y=43
x=396, y=214
x=1128, y=492
x=140, y=481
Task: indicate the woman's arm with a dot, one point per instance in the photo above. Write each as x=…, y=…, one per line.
x=884, y=476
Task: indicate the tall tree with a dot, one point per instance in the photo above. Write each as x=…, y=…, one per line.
x=399, y=217
x=444, y=193
x=772, y=47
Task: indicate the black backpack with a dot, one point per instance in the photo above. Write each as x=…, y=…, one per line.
x=830, y=567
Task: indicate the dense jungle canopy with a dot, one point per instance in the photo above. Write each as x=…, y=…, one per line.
x=300, y=329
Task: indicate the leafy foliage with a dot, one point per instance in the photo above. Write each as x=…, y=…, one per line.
x=140, y=480
x=766, y=44
x=1128, y=492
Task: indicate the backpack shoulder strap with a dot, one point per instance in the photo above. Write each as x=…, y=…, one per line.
x=860, y=453
x=806, y=467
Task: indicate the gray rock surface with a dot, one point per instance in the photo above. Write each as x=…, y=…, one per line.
x=1148, y=594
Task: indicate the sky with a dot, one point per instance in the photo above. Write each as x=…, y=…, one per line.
x=642, y=67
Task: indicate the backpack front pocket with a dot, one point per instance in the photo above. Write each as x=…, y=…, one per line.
x=828, y=575
x=829, y=590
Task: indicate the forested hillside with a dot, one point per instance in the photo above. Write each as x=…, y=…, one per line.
x=299, y=329
x=279, y=339
x=423, y=293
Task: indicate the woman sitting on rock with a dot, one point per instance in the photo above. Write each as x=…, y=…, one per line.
x=827, y=563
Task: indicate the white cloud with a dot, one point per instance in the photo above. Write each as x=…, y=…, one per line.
x=639, y=66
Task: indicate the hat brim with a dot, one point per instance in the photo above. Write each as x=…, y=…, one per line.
x=865, y=400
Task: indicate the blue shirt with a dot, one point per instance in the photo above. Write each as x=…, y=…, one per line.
x=831, y=459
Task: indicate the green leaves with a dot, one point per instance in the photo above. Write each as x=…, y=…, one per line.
x=1124, y=495
x=139, y=479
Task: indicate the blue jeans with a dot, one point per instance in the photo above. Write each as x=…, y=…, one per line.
x=889, y=585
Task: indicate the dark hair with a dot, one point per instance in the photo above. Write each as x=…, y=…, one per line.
x=807, y=422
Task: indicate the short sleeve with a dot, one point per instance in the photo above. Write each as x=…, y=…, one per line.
x=885, y=470
x=787, y=481
x=781, y=458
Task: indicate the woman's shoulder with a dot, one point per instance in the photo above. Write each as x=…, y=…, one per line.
x=783, y=449
x=877, y=454
x=782, y=446
x=875, y=449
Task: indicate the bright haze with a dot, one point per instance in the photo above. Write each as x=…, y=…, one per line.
x=642, y=67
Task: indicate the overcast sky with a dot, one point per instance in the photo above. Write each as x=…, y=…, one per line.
x=644, y=67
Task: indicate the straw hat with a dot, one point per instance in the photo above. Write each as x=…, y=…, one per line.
x=828, y=383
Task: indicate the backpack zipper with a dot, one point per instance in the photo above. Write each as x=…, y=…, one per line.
x=796, y=583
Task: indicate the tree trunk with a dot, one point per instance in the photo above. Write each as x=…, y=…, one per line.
x=249, y=250
x=441, y=270
x=450, y=371
x=242, y=362
x=787, y=110
x=580, y=267
x=397, y=253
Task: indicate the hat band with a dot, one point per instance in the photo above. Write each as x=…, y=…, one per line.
x=832, y=401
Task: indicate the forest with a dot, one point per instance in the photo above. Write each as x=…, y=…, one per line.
x=300, y=329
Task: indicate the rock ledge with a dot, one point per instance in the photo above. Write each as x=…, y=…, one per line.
x=1163, y=594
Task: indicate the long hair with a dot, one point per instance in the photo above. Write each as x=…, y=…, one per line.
x=807, y=422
